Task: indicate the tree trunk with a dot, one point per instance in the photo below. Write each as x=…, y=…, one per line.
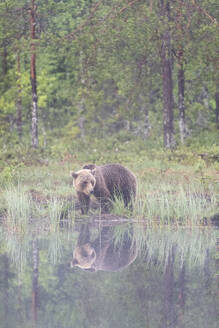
x=5, y=60
x=167, y=80
x=33, y=75
x=144, y=109
x=19, y=102
x=179, y=52
x=35, y=295
x=181, y=104
x=217, y=107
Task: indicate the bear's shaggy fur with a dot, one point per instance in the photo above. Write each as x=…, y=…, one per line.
x=106, y=183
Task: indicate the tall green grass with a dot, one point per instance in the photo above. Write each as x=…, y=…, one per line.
x=54, y=210
x=18, y=206
x=174, y=204
x=164, y=202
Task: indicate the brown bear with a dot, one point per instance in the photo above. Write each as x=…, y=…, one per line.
x=106, y=183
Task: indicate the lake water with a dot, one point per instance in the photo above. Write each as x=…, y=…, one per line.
x=108, y=273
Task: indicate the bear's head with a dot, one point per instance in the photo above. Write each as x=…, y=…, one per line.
x=84, y=257
x=84, y=181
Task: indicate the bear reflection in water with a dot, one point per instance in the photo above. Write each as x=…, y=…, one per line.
x=103, y=253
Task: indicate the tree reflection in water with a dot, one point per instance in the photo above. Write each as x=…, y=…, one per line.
x=158, y=277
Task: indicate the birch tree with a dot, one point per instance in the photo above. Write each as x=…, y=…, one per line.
x=33, y=76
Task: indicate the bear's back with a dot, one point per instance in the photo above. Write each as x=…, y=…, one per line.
x=118, y=176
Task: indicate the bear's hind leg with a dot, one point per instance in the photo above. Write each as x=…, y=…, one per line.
x=105, y=206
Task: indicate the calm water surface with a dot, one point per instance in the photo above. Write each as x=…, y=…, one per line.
x=108, y=274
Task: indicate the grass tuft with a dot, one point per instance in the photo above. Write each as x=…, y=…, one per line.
x=18, y=206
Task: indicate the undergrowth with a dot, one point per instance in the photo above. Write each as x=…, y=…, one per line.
x=175, y=186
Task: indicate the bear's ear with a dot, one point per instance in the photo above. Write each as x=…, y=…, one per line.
x=89, y=166
x=73, y=174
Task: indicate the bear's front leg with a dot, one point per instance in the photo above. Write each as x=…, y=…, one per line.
x=84, y=202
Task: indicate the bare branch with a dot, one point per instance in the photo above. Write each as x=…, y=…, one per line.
x=128, y=5
x=203, y=11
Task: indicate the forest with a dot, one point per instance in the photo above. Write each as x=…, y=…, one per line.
x=133, y=82
x=74, y=71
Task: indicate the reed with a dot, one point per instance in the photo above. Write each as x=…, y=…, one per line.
x=18, y=206
x=174, y=204
x=54, y=211
x=118, y=207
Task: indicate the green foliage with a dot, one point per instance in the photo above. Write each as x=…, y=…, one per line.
x=96, y=61
x=7, y=174
x=168, y=190
x=100, y=90
x=18, y=207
